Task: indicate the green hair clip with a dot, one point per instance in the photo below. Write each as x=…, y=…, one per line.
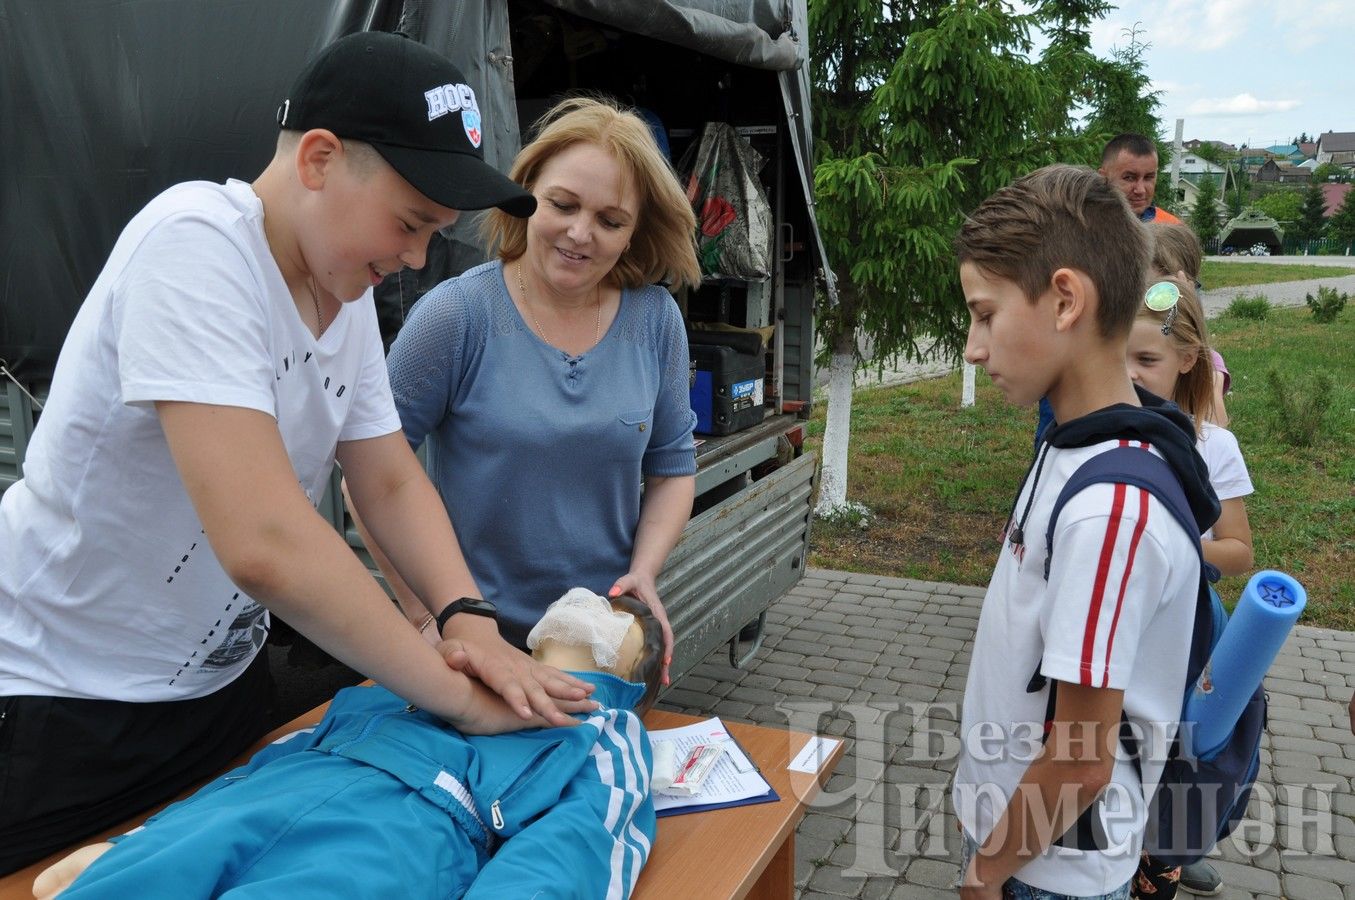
x=1163, y=297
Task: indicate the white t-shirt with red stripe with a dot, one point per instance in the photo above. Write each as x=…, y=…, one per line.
x=1116, y=612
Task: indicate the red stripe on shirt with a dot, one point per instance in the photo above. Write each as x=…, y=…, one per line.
x=1099, y=587
x=1124, y=581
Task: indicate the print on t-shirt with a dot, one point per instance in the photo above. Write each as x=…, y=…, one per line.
x=247, y=633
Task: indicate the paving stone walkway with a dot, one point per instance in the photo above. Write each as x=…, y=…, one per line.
x=882, y=663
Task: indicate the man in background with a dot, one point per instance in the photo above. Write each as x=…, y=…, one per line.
x=1129, y=162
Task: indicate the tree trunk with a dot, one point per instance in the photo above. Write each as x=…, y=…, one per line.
x=837, y=430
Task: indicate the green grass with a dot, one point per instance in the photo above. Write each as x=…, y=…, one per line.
x=940, y=479
x=1248, y=306
x=1215, y=274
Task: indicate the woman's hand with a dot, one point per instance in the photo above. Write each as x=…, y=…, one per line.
x=642, y=588
x=475, y=648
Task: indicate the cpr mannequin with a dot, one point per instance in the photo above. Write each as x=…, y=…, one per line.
x=381, y=799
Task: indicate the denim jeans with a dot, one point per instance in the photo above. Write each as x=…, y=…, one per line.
x=1019, y=890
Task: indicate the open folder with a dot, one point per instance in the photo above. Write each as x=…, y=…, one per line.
x=735, y=780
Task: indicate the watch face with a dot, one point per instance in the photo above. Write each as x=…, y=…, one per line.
x=477, y=607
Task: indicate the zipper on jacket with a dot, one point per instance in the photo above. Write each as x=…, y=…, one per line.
x=523, y=778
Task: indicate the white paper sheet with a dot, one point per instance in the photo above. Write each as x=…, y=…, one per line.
x=734, y=777
x=813, y=754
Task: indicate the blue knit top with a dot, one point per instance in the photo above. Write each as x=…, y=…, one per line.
x=539, y=455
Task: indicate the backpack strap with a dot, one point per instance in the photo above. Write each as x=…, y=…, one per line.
x=1136, y=467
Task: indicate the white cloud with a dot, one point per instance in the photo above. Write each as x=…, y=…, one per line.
x=1239, y=105
x=1193, y=26
x=1321, y=20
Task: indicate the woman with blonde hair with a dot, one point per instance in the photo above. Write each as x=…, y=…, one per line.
x=552, y=381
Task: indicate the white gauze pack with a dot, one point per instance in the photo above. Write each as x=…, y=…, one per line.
x=583, y=619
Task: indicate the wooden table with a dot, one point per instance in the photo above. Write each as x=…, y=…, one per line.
x=745, y=851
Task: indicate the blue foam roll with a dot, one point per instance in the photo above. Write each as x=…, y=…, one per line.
x=1270, y=605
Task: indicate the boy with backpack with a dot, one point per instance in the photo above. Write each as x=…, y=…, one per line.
x=1074, y=642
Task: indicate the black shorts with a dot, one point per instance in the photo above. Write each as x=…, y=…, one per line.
x=71, y=768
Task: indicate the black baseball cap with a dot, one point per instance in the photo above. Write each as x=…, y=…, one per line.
x=414, y=107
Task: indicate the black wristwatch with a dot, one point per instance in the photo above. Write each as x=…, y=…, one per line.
x=472, y=605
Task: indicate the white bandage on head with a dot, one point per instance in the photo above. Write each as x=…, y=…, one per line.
x=583, y=619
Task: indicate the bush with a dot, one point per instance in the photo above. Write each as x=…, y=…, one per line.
x=1296, y=412
x=1249, y=306
x=1327, y=305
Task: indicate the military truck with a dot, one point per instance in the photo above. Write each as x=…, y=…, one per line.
x=105, y=104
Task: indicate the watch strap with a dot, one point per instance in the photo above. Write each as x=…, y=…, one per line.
x=470, y=605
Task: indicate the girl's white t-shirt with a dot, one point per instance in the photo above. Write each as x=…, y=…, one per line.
x=1227, y=470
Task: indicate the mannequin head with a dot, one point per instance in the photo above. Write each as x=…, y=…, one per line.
x=639, y=657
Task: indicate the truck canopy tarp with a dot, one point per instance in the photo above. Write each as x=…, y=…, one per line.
x=104, y=105
x=753, y=33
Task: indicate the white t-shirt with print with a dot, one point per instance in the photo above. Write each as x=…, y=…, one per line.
x=1227, y=470
x=108, y=585
x=1116, y=612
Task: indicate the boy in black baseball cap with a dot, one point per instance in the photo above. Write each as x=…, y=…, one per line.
x=418, y=113
x=227, y=356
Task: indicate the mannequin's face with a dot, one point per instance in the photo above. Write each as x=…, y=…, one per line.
x=579, y=658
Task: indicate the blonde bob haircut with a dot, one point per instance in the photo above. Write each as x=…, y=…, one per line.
x=663, y=246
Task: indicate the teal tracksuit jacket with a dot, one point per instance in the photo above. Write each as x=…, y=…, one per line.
x=384, y=800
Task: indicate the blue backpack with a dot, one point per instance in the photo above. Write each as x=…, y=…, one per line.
x=1198, y=802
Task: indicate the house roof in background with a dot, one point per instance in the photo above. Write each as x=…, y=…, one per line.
x=1222, y=145
x=1333, y=195
x=1337, y=141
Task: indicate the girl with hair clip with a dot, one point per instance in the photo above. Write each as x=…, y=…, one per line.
x=1177, y=251
x=1168, y=355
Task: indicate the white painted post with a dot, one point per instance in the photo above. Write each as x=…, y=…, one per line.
x=1176, y=156
x=836, y=435
x=967, y=396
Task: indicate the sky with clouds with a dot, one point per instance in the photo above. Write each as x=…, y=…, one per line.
x=1244, y=71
